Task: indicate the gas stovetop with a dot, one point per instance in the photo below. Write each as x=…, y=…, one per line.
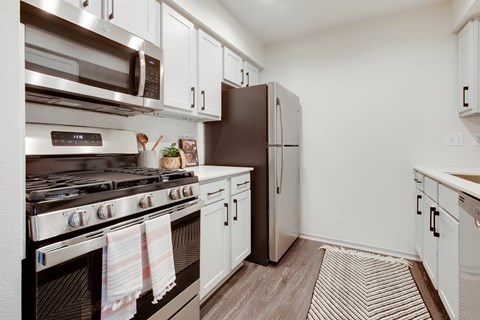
x=46, y=193
x=62, y=186
x=81, y=185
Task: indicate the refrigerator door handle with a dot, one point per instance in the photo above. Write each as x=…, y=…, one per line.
x=280, y=180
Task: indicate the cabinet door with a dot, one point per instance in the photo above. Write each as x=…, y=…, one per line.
x=93, y=6
x=429, y=240
x=137, y=17
x=179, y=44
x=241, y=242
x=233, y=67
x=251, y=74
x=209, y=75
x=419, y=212
x=448, y=275
x=214, y=246
x=468, y=68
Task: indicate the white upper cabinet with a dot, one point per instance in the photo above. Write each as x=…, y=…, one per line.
x=209, y=75
x=233, y=67
x=468, y=57
x=251, y=74
x=93, y=6
x=238, y=71
x=137, y=17
x=179, y=45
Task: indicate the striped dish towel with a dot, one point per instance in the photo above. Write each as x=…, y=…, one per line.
x=160, y=255
x=124, y=267
x=125, y=312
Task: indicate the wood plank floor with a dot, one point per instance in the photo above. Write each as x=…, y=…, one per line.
x=284, y=290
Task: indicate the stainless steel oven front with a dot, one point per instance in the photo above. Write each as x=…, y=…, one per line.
x=63, y=279
x=77, y=60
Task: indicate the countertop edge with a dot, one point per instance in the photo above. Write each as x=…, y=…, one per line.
x=443, y=176
x=207, y=173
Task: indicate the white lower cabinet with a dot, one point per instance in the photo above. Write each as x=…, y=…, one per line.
x=224, y=228
x=447, y=264
x=214, y=246
x=241, y=248
x=439, y=241
x=430, y=244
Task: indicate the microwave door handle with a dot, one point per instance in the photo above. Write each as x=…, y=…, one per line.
x=143, y=75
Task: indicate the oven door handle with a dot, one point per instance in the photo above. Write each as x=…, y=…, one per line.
x=61, y=252
x=192, y=207
x=50, y=258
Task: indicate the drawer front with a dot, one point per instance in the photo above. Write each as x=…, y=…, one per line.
x=431, y=188
x=448, y=200
x=418, y=179
x=240, y=183
x=214, y=191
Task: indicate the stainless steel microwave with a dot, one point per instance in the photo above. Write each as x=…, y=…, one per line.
x=77, y=60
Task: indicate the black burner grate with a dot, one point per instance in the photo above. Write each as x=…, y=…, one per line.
x=56, y=185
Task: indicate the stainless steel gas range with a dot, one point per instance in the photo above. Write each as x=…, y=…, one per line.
x=82, y=184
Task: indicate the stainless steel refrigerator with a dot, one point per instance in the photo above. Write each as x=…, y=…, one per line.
x=260, y=128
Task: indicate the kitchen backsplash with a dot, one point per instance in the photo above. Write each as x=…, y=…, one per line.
x=153, y=127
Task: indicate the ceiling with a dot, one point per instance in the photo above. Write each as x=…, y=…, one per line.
x=278, y=20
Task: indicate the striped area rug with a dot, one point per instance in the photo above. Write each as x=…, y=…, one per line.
x=358, y=285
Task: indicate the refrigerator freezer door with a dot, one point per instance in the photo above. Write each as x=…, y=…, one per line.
x=284, y=199
x=283, y=116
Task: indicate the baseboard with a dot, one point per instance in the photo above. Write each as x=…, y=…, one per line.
x=360, y=246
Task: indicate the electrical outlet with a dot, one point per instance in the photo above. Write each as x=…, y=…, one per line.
x=476, y=139
x=454, y=139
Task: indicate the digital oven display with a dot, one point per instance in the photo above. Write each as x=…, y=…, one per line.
x=63, y=138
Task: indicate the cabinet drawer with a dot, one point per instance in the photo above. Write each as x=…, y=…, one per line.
x=214, y=191
x=240, y=183
x=418, y=179
x=430, y=187
x=448, y=200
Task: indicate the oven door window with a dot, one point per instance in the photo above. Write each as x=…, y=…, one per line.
x=71, y=290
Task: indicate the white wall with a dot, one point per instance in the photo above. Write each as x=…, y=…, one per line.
x=462, y=10
x=378, y=98
x=219, y=20
x=12, y=170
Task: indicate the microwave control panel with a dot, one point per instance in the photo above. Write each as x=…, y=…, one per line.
x=152, y=79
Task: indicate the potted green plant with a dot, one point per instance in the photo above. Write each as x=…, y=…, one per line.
x=171, y=157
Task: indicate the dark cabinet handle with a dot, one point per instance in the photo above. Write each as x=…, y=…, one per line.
x=419, y=212
x=86, y=3
x=112, y=15
x=248, y=79
x=432, y=210
x=225, y=223
x=465, y=104
x=193, y=98
x=235, y=217
x=435, y=233
x=242, y=184
x=243, y=77
x=203, y=98
x=218, y=191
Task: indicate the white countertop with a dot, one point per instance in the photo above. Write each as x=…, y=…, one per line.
x=212, y=172
x=442, y=175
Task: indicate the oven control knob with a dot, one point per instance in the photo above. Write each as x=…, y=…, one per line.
x=80, y=218
x=175, y=194
x=106, y=211
x=146, y=202
x=187, y=191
